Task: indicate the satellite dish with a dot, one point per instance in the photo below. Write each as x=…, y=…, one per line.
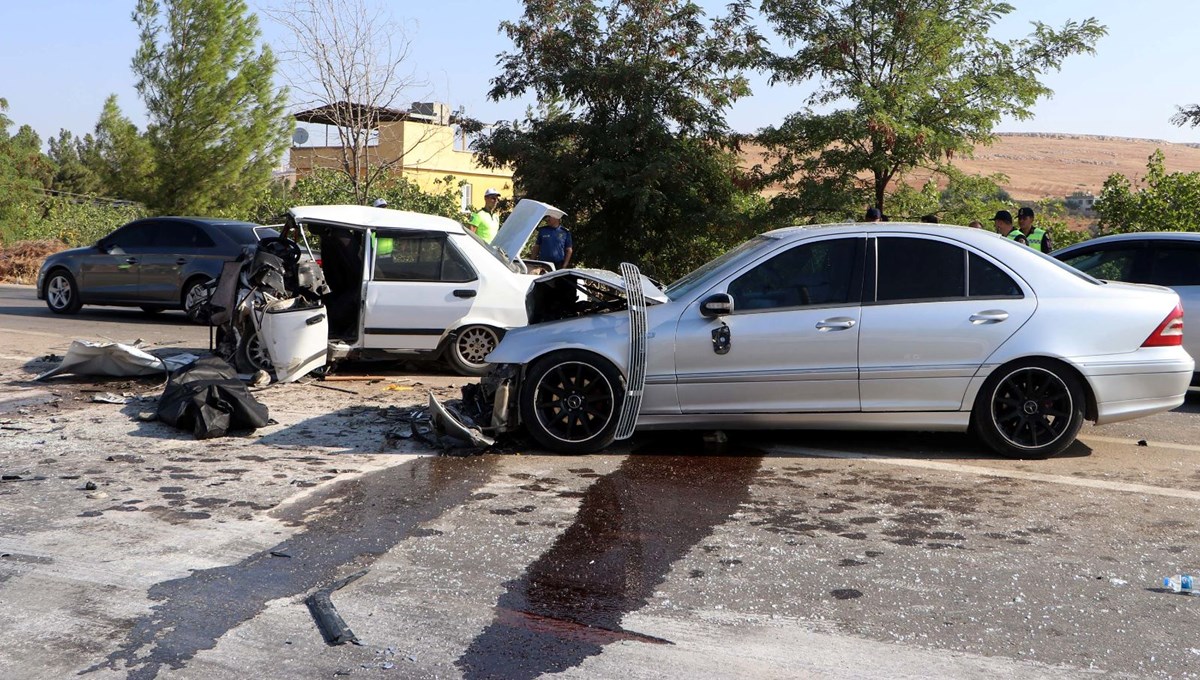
x=300, y=136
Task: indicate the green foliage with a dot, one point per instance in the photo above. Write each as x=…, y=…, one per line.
x=326, y=186
x=917, y=82
x=17, y=183
x=1161, y=201
x=631, y=147
x=217, y=123
x=74, y=222
x=121, y=156
x=73, y=175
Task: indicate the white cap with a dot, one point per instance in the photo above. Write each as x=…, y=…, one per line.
x=491, y=192
x=380, y=203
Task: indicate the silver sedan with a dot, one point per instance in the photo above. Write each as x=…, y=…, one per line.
x=880, y=326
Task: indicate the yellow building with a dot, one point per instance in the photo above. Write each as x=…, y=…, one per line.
x=424, y=144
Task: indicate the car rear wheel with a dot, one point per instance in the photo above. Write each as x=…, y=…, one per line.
x=571, y=401
x=1031, y=409
x=468, y=351
x=195, y=294
x=62, y=295
x=151, y=309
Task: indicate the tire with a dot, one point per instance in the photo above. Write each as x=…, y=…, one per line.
x=1030, y=409
x=571, y=401
x=151, y=309
x=193, y=296
x=62, y=294
x=468, y=348
x=252, y=355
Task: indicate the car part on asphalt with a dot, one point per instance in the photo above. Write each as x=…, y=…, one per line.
x=85, y=357
x=331, y=624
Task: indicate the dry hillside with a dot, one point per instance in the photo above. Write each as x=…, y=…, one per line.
x=1039, y=165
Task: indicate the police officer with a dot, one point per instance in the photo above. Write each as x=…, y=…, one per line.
x=1035, y=237
x=486, y=221
x=553, y=243
x=1004, y=226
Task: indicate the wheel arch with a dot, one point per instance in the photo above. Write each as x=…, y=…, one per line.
x=202, y=277
x=1090, y=410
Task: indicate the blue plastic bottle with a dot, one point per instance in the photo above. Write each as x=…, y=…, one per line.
x=1180, y=583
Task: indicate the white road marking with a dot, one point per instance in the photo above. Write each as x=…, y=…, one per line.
x=993, y=472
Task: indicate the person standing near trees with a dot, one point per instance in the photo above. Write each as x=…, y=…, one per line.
x=1004, y=226
x=485, y=222
x=553, y=243
x=1035, y=237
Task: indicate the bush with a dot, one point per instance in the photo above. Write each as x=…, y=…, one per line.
x=74, y=223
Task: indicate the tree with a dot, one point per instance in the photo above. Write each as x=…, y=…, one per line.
x=898, y=85
x=1187, y=115
x=121, y=156
x=633, y=140
x=348, y=60
x=73, y=175
x=217, y=123
x=17, y=158
x=1161, y=201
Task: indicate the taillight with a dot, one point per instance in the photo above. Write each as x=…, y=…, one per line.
x=1169, y=332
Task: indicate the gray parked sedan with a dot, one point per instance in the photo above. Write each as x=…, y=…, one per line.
x=858, y=326
x=155, y=263
x=1162, y=258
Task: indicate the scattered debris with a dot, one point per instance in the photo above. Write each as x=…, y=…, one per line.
x=279, y=553
x=333, y=628
x=335, y=389
x=117, y=359
x=108, y=398
x=147, y=416
x=89, y=486
x=1143, y=442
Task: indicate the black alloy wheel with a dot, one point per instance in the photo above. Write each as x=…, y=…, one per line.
x=571, y=401
x=1031, y=410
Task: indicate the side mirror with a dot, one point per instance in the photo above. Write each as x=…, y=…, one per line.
x=716, y=305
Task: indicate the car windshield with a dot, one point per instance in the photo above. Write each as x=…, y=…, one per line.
x=496, y=253
x=688, y=282
x=1063, y=265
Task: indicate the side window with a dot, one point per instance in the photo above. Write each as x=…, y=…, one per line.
x=181, y=235
x=913, y=269
x=811, y=274
x=985, y=279
x=404, y=257
x=1113, y=264
x=131, y=236
x=454, y=265
x=1175, y=264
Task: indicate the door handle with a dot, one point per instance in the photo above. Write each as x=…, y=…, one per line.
x=464, y=293
x=181, y=261
x=989, y=316
x=837, y=323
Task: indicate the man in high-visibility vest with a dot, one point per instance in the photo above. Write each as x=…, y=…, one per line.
x=1004, y=226
x=486, y=221
x=1035, y=237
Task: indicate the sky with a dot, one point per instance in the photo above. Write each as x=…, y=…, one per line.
x=64, y=57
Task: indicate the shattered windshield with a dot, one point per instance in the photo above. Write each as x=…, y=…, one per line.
x=688, y=282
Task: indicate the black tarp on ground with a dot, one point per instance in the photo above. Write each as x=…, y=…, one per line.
x=207, y=398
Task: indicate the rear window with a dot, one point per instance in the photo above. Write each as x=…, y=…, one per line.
x=248, y=234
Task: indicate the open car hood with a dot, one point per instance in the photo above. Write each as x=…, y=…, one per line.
x=569, y=293
x=519, y=226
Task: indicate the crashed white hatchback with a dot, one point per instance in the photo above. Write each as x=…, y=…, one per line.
x=421, y=285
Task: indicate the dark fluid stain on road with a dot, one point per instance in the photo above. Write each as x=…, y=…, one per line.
x=631, y=527
x=846, y=594
x=361, y=519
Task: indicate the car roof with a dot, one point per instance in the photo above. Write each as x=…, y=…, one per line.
x=1135, y=236
x=208, y=221
x=367, y=217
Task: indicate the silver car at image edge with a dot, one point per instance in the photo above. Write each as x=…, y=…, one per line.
x=882, y=326
x=1162, y=258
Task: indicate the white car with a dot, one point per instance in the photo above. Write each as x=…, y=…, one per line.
x=858, y=326
x=405, y=283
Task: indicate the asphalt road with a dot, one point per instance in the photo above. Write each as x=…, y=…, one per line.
x=774, y=555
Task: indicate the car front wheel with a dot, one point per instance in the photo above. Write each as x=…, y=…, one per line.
x=195, y=293
x=571, y=401
x=62, y=295
x=468, y=352
x=1032, y=409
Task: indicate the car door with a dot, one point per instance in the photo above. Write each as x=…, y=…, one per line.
x=791, y=343
x=176, y=244
x=419, y=286
x=111, y=273
x=933, y=313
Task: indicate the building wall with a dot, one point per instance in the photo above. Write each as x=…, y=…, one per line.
x=428, y=156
